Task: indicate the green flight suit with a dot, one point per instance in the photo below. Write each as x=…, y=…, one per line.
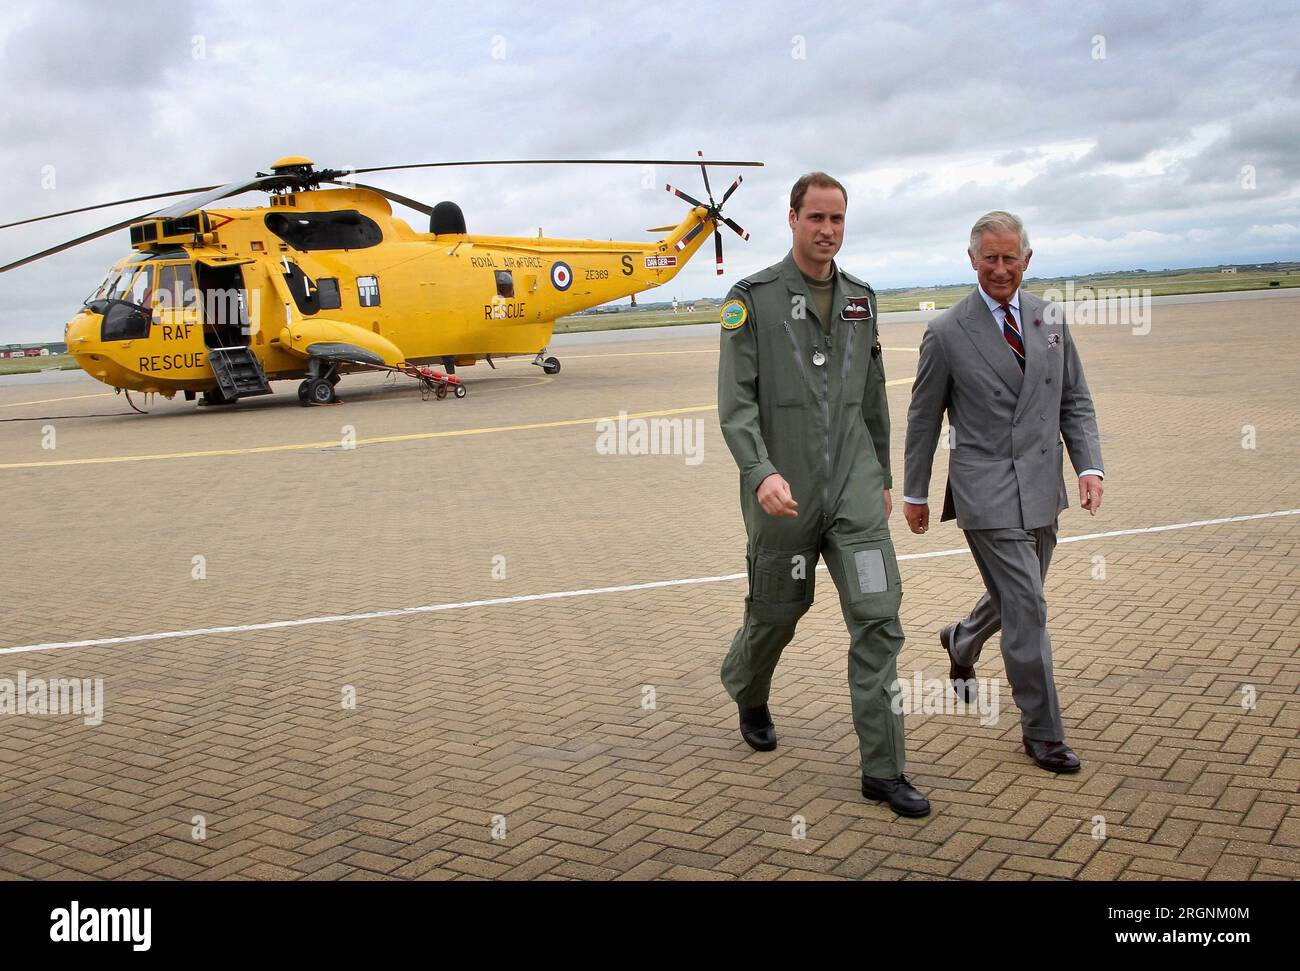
x=811, y=406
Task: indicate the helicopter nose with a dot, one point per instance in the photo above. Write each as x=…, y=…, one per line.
x=82, y=331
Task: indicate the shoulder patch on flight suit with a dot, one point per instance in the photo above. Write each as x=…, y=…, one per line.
x=733, y=314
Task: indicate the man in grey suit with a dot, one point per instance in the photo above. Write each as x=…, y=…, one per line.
x=1003, y=366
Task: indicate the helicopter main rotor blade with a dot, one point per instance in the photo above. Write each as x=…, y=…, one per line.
x=71, y=243
x=717, y=248
x=551, y=161
x=219, y=192
x=179, y=209
x=390, y=196
x=109, y=205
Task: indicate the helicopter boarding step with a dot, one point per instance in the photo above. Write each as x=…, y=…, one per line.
x=238, y=372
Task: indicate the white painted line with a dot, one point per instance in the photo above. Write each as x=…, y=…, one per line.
x=563, y=594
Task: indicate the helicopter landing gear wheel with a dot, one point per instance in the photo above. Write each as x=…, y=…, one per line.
x=460, y=391
x=321, y=392
x=302, y=393
x=551, y=365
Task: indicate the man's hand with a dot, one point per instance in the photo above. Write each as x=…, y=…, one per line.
x=917, y=515
x=1090, y=490
x=773, y=495
x=889, y=504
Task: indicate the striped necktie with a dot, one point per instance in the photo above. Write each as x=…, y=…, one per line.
x=1012, y=333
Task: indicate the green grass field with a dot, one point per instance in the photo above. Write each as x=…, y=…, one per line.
x=1160, y=284
x=29, y=365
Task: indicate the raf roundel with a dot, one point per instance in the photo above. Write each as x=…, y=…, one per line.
x=733, y=315
x=561, y=275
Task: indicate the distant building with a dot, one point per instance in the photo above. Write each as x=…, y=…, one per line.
x=1230, y=269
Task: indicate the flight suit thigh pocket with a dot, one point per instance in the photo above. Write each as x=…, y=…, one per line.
x=874, y=588
x=781, y=584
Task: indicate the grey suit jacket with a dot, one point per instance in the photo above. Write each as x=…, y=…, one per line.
x=1004, y=470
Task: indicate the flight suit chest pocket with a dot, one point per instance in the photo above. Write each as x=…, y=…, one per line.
x=859, y=351
x=788, y=369
x=874, y=588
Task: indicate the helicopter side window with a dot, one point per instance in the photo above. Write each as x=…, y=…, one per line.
x=178, y=281
x=368, y=291
x=505, y=284
x=312, y=295
x=168, y=297
x=327, y=293
x=347, y=229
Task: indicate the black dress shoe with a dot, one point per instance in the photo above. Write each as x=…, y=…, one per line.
x=1052, y=756
x=756, y=728
x=961, y=678
x=899, y=793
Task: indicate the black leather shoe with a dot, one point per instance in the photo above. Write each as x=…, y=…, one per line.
x=1052, y=756
x=899, y=793
x=757, y=729
x=961, y=678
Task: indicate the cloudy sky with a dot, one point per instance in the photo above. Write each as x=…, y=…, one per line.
x=1153, y=135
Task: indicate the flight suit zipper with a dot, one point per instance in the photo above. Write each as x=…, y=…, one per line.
x=826, y=415
x=826, y=408
x=844, y=368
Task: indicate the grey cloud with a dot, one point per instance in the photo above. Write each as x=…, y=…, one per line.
x=916, y=88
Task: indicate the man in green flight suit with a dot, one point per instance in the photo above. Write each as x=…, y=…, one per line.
x=801, y=400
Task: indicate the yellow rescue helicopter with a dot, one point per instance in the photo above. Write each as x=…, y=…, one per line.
x=323, y=281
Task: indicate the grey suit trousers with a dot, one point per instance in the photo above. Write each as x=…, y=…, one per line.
x=1013, y=563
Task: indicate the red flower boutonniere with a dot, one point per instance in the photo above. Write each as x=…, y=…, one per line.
x=1038, y=322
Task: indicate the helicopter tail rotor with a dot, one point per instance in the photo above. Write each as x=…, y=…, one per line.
x=713, y=214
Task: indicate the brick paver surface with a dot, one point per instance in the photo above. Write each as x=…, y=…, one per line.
x=587, y=737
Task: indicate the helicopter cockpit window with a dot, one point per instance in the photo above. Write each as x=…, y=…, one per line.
x=114, y=285
x=346, y=229
x=505, y=284
x=141, y=289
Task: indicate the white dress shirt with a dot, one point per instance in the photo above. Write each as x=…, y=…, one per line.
x=999, y=317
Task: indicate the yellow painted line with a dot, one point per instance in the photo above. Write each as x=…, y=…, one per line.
x=335, y=443
x=908, y=350
x=46, y=401
x=888, y=384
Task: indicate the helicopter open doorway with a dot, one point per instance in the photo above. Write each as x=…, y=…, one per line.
x=224, y=302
